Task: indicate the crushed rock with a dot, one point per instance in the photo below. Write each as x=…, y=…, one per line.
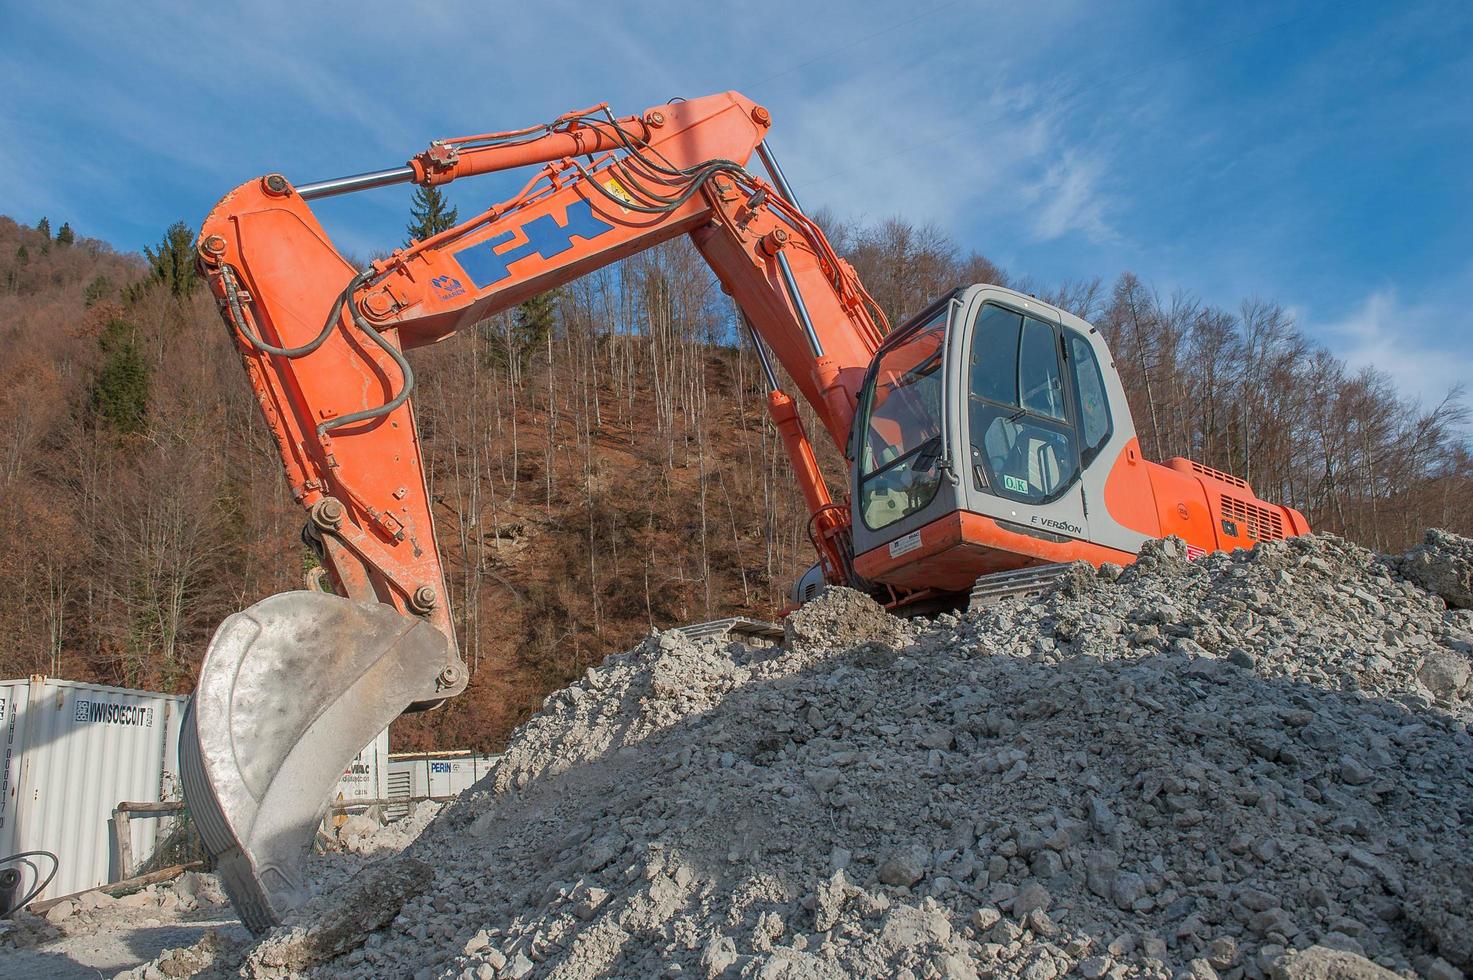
x=364, y=835
x=1240, y=766
x=368, y=902
x=1443, y=565
x=839, y=618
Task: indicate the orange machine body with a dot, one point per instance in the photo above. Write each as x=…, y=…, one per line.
x=1207, y=509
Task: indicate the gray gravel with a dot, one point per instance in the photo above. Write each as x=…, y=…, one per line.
x=1256, y=764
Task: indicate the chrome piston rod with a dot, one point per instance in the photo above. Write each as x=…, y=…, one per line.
x=357, y=182
x=776, y=173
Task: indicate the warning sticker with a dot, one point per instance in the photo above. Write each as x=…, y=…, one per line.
x=905, y=545
x=618, y=190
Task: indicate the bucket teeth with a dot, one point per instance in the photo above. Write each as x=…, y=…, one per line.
x=290, y=690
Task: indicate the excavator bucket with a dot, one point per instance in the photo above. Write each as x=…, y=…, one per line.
x=290, y=690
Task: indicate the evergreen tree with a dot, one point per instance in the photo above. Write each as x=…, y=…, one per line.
x=431, y=214
x=120, y=390
x=44, y=227
x=97, y=290
x=22, y=255
x=65, y=235
x=535, y=319
x=173, y=263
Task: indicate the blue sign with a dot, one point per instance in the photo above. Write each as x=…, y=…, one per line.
x=545, y=237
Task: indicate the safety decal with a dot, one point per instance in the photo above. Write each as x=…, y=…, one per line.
x=618, y=190
x=905, y=545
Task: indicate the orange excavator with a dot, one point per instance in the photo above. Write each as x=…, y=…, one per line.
x=989, y=434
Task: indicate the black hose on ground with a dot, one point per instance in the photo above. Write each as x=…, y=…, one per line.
x=7, y=910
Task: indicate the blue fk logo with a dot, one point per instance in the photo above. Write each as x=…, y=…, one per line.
x=545, y=237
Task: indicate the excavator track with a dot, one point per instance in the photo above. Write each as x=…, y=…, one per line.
x=1030, y=582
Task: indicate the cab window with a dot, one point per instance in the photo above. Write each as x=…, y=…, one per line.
x=1040, y=385
x=1094, y=408
x=1023, y=443
x=899, y=460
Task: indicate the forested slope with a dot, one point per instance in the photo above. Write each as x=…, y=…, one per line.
x=599, y=460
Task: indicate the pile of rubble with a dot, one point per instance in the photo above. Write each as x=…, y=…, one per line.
x=1255, y=764
x=96, y=910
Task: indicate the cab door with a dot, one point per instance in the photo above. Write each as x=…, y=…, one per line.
x=1021, y=461
x=902, y=456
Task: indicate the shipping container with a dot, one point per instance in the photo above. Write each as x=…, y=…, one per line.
x=71, y=753
x=367, y=776
x=416, y=775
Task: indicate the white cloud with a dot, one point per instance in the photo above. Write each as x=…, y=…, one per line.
x=1405, y=341
x=1069, y=200
x=1007, y=162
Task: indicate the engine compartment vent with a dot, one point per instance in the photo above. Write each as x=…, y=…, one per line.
x=1219, y=475
x=1258, y=522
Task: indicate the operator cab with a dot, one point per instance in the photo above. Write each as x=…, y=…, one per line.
x=986, y=429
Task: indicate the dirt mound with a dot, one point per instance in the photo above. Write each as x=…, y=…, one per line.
x=1249, y=765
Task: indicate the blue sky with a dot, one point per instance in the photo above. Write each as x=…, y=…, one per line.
x=1320, y=154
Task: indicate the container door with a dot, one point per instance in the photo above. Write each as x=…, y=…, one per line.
x=89, y=748
x=13, y=697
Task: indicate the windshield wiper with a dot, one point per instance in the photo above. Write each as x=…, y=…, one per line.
x=926, y=454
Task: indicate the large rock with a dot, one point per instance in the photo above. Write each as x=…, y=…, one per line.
x=906, y=866
x=357, y=829
x=1323, y=963
x=1443, y=565
x=1445, y=673
x=840, y=618
x=370, y=901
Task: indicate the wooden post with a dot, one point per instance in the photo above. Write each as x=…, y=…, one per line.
x=125, y=842
x=125, y=839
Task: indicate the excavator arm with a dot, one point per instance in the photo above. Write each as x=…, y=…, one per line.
x=292, y=687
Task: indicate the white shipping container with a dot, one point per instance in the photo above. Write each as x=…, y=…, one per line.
x=367, y=776
x=417, y=775
x=71, y=752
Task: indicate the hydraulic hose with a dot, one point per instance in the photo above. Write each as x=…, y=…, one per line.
x=38, y=888
x=388, y=348
x=237, y=314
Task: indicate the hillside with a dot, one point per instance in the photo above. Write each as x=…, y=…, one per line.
x=600, y=465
